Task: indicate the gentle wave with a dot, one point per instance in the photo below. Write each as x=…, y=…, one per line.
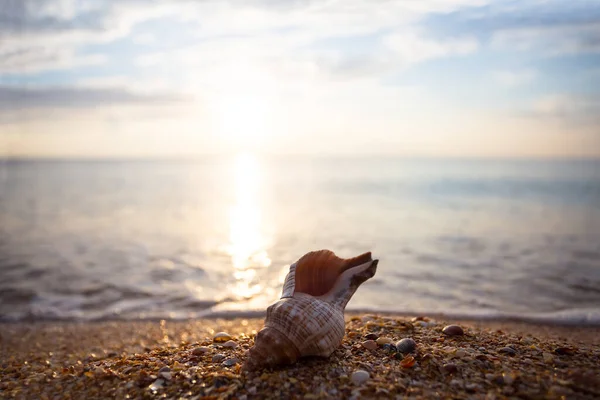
x=478, y=239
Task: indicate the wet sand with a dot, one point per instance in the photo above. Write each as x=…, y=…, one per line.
x=170, y=359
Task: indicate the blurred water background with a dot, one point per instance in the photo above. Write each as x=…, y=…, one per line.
x=88, y=240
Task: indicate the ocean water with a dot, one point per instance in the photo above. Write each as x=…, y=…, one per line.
x=85, y=240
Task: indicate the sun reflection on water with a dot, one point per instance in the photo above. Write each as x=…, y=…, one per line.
x=247, y=246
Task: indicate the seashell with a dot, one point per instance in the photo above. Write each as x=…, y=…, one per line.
x=308, y=320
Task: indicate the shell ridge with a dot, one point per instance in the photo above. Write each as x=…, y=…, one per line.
x=289, y=284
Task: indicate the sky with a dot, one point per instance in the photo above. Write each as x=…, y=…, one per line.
x=142, y=78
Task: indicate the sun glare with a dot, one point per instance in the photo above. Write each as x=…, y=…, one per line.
x=247, y=242
x=243, y=105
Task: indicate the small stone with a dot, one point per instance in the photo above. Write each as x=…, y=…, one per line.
x=231, y=362
x=218, y=358
x=222, y=337
x=166, y=375
x=460, y=353
x=369, y=344
x=564, y=351
x=406, y=345
x=495, y=379
x=359, y=377
x=156, y=385
x=507, y=350
x=407, y=362
x=559, y=391
x=371, y=336
x=384, y=340
x=198, y=351
x=230, y=343
x=164, y=369
x=456, y=383
x=548, y=358
x=450, y=368
x=472, y=387
x=508, y=378
x=389, y=348
x=453, y=330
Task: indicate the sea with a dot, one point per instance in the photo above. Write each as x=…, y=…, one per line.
x=85, y=240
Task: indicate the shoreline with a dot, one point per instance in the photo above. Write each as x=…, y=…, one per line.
x=111, y=359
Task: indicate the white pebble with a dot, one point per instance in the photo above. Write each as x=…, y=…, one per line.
x=359, y=377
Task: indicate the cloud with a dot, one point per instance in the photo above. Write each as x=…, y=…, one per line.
x=410, y=48
x=66, y=26
x=551, y=40
x=30, y=60
x=570, y=109
x=514, y=77
x=551, y=27
x=14, y=98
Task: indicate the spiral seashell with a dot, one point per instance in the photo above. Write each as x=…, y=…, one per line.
x=308, y=320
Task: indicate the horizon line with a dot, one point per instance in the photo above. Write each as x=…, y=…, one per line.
x=203, y=157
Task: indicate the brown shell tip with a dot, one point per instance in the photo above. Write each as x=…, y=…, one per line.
x=317, y=271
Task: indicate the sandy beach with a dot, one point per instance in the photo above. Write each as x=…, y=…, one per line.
x=169, y=359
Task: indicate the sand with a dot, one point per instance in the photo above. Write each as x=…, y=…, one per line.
x=168, y=359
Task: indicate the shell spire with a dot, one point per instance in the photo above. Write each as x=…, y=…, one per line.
x=309, y=318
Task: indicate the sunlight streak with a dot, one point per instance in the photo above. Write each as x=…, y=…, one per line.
x=247, y=243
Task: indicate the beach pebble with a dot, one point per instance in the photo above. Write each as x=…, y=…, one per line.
x=222, y=337
x=384, y=340
x=472, y=387
x=460, y=353
x=359, y=377
x=218, y=358
x=508, y=378
x=230, y=343
x=164, y=369
x=367, y=318
x=450, y=368
x=548, y=358
x=564, y=351
x=527, y=341
x=369, y=344
x=389, y=348
x=453, y=330
x=166, y=375
x=507, y=350
x=99, y=371
x=408, y=362
x=406, y=345
x=198, y=351
x=371, y=336
x=156, y=385
x=231, y=362
x=456, y=383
